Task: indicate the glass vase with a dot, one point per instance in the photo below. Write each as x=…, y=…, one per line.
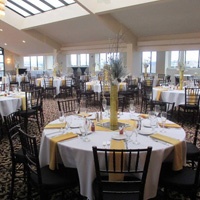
x=181, y=80
x=113, y=107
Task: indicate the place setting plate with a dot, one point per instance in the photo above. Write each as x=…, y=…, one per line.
x=145, y=132
x=119, y=137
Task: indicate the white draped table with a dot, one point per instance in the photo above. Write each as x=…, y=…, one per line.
x=176, y=96
x=77, y=153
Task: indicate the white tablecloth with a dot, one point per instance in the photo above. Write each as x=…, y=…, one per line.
x=77, y=153
x=176, y=96
x=96, y=86
x=6, y=80
x=9, y=105
x=57, y=82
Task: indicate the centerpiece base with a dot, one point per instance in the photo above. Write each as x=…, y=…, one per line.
x=119, y=124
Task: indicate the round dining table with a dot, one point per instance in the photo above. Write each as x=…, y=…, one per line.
x=78, y=154
x=169, y=95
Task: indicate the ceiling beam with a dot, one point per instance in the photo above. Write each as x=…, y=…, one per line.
x=118, y=28
x=43, y=38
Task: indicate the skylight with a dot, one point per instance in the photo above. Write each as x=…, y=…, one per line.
x=28, y=8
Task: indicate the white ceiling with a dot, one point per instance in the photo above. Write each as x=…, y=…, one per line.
x=162, y=17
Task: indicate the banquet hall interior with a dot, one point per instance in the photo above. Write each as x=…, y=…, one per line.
x=79, y=78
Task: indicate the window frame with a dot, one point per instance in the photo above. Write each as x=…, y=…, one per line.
x=3, y=74
x=150, y=63
x=78, y=60
x=30, y=66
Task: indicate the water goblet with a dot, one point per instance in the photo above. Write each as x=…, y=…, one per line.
x=61, y=119
x=87, y=126
x=153, y=120
x=163, y=119
x=128, y=134
x=135, y=130
x=157, y=110
x=76, y=107
x=104, y=104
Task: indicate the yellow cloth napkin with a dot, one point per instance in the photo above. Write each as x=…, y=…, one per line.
x=192, y=98
x=63, y=82
x=55, y=126
x=159, y=94
x=130, y=122
x=53, y=147
x=83, y=114
x=168, y=125
x=13, y=78
x=121, y=86
x=145, y=116
x=178, y=160
x=116, y=145
x=23, y=100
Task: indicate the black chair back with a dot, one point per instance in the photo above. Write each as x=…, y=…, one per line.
x=192, y=96
x=67, y=105
x=134, y=170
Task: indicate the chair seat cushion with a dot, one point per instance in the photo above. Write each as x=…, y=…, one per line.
x=192, y=151
x=189, y=106
x=183, y=178
x=53, y=179
x=19, y=156
x=29, y=112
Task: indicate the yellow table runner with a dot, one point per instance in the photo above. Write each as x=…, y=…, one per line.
x=53, y=147
x=168, y=125
x=100, y=128
x=159, y=94
x=55, y=126
x=116, y=145
x=63, y=82
x=148, y=82
x=23, y=100
x=178, y=160
x=39, y=81
x=14, y=78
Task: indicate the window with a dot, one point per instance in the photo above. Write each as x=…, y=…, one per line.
x=34, y=62
x=2, y=64
x=192, y=59
x=151, y=57
x=79, y=60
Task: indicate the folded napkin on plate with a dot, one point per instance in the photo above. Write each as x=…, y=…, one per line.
x=54, y=126
x=53, y=147
x=84, y=115
x=178, y=159
x=168, y=125
x=145, y=116
x=116, y=145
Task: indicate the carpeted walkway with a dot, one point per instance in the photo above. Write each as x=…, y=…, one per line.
x=50, y=113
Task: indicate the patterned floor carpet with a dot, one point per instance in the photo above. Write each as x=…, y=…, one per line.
x=51, y=113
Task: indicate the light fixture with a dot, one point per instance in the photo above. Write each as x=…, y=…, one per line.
x=23, y=41
x=8, y=61
x=1, y=29
x=5, y=44
x=2, y=8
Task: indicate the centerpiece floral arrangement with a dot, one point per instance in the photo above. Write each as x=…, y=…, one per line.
x=146, y=64
x=181, y=68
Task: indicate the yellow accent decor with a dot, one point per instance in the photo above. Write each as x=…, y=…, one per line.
x=23, y=78
x=116, y=145
x=17, y=71
x=178, y=160
x=63, y=82
x=159, y=94
x=168, y=125
x=23, y=101
x=192, y=98
x=121, y=86
x=145, y=116
x=51, y=83
x=53, y=147
x=145, y=72
x=148, y=82
x=55, y=126
x=181, y=80
x=113, y=107
x=14, y=78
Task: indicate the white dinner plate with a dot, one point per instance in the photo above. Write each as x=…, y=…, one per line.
x=146, y=124
x=145, y=132
x=136, y=118
x=74, y=126
x=118, y=137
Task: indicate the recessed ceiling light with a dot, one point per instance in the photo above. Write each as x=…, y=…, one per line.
x=23, y=41
x=5, y=43
x=1, y=29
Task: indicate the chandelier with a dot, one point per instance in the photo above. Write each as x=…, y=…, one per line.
x=2, y=8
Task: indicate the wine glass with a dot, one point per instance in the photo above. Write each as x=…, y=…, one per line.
x=157, y=110
x=61, y=119
x=128, y=134
x=163, y=119
x=86, y=127
x=104, y=104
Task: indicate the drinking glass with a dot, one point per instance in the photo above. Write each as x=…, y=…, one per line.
x=77, y=107
x=131, y=107
x=61, y=119
x=163, y=119
x=153, y=120
x=108, y=111
x=157, y=110
x=135, y=130
x=86, y=127
x=104, y=104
